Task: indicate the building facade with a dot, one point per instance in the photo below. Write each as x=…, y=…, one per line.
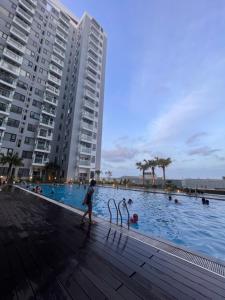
x=52, y=69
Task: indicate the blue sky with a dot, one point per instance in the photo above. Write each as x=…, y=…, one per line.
x=165, y=84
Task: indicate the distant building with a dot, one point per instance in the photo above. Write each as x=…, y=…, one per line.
x=204, y=183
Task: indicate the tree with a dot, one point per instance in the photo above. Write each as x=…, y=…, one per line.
x=98, y=172
x=142, y=166
x=152, y=164
x=13, y=160
x=52, y=170
x=164, y=163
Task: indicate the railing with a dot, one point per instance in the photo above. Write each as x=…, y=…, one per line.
x=23, y=14
x=60, y=43
x=55, y=69
x=85, y=150
x=44, y=134
x=60, y=34
x=91, y=84
x=40, y=161
x=5, y=93
x=34, y=2
x=54, y=79
x=87, y=126
x=90, y=94
x=8, y=79
x=128, y=214
x=3, y=107
x=52, y=89
x=88, y=115
x=3, y=123
x=89, y=73
x=66, y=21
x=9, y=67
x=27, y=5
x=89, y=104
x=15, y=44
x=86, y=137
x=63, y=27
x=49, y=111
x=52, y=100
x=13, y=55
x=19, y=34
x=84, y=162
x=57, y=60
x=48, y=123
x=43, y=147
x=58, y=51
x=92, y=65
x=110, y=212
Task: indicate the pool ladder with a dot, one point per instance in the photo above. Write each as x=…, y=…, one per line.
x=118, y=212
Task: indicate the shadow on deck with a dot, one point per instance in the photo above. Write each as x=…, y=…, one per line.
x=46, y=254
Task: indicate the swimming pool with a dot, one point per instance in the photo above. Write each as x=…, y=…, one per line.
x=193, y=225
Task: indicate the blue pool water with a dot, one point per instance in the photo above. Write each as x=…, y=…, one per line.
x=190, y=224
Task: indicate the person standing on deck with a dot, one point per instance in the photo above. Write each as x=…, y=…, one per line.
x=88, y=201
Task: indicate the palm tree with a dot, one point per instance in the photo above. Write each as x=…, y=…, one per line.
x=52, y=169
x=98, y=172
x=164, y=163
x=142, y=166
x=13, y=160
x=152, y=164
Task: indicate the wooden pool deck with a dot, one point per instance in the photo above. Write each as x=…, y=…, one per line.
x=46, y=254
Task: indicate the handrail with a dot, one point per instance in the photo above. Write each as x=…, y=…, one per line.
x=110, y=212
x=128, y=214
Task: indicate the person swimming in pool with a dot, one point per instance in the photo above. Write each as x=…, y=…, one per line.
x=134, y=219
x=88, y=201
x=130, y=201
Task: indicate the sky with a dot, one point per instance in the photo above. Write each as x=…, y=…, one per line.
x=164, y=85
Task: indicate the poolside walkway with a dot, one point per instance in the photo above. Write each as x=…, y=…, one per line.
x=45, y=254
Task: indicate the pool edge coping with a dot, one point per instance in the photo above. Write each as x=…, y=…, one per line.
x=148, y=240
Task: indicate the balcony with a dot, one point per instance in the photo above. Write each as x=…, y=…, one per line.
x=52, y=89
x=7, y=80
x=27, y=6
x=3, y=124
x=94, y=39
x=33, y=2
x=86, y=138
x=59, y=52
x=57, y=61
x=87, y=126
x=22, y=25
x=20, y=35
x=90, y=84
x=47, y=123
x=55, y=70
x=44, y=135
x=40, y=161
x=13, y=56
x=90, y=95
x=89, y=104
x=84, y=150
x=4, y=110
x=93, y=66
x=60, y=43
x=50, y=100
x=61, y=35
x=21, y=12
x=49, y=112
x=43, y=148
x=6, y=95
x=54, y=79
x=64, y=20
x=91, y=75
x=16, y=45
x=87, y=115
x=63, y=27
x=9, y=68
x=84, y=163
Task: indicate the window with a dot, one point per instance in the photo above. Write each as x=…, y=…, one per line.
x=46, y=42
x=43, y=60
x=36, y=35
x=34, y=115
x=36, y=103
x=13, y=123
x=38, y=92
x=29, y=140
x=22, y=85
x=45, y=51
x=10, y=137
x=19, y=97
x=34, y=44
x=30, y=64
x=23, y=172
x=16, y=109
x=31, y=127
x=48, y=33
x=27, y=154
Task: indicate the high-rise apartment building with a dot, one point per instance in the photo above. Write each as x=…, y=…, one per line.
x=52, y=69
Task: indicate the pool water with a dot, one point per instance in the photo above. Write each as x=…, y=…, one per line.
x=193, y=225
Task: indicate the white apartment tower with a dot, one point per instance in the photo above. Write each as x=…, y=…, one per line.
x=52, y=69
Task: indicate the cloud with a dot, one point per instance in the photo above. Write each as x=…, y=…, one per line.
x=195, y=137
x=203, y=151
x=119, y=154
